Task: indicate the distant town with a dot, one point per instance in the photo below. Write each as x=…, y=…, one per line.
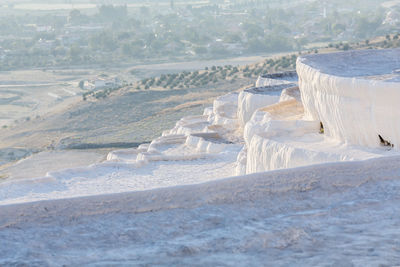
x=143, y=32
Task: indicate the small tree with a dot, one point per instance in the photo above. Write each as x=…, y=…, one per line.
x=81, y=84
x=346, y=47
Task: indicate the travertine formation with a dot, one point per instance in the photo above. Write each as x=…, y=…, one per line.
x=344, y=108
x=355, y=95
x=337, y=107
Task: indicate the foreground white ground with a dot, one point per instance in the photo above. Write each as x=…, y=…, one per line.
x=340, y=214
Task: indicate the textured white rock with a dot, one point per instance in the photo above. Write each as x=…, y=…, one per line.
x=282, y=120
x=250, y=100
x=279, y=137
x=241, y=162
x=226, y=105
x=208, y=111
x=266, y=154
x=202, y=145
x=188, y=125
x=225, y=111
x=355, y=95
x=291, y=93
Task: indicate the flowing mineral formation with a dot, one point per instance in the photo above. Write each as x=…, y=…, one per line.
x=354, y=94
x=340, y=107
x=342, y=111
x=345, y=107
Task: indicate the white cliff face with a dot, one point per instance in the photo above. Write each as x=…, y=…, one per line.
x=355, y=95
x=249, y=103
x=289, y=134
x=269, y=135
x=250, y=100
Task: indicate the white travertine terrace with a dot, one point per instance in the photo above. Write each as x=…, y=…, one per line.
x=250, y=100
x=355, y=95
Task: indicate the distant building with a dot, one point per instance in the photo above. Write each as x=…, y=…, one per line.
x=44, y=28
x=102, y=83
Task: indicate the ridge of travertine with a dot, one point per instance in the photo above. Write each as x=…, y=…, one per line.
x=279, y=120
x=354, y=94
x=281, y=123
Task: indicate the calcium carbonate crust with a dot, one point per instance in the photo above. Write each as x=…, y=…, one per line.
x=355, y=110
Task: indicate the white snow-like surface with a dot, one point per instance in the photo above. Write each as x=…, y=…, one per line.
x=170, y=165
x=355, y=95
x=341, y=214
x=362, y=64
